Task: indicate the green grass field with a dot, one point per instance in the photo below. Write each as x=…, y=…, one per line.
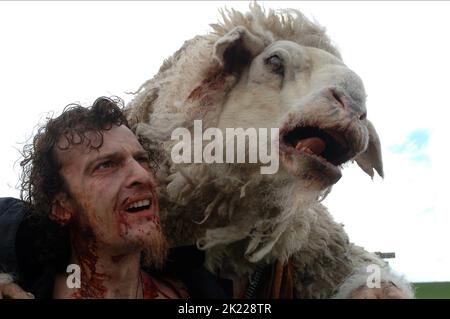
x=432, y=290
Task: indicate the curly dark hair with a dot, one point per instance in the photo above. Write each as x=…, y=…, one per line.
x=41, y=179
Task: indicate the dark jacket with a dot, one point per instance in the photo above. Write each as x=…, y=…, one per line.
x=12, y=212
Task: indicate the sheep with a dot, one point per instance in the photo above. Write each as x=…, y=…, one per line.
x=265, y=69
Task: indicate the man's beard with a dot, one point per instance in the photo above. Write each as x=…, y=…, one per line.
x=155, y=250
x=154, y=246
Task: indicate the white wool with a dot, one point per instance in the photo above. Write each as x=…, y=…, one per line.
x=240, y=218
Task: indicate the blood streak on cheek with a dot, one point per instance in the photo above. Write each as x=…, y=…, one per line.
x=123, y=224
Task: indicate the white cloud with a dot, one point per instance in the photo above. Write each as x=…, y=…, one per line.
x=55, y=53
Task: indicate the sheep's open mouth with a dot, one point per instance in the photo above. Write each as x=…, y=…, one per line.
x=326, y=146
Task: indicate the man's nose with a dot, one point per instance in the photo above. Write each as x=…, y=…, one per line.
x=345, y=102
x=137, y=174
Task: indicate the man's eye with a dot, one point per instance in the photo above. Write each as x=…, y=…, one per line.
x=275, y=64
x=144, y=161
x=105, y=165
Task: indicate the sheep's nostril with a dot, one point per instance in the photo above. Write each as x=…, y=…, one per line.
x=363, y=116
x=338, y=97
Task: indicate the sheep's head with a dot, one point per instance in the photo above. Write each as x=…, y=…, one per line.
x=256, y=71
x=310, y=95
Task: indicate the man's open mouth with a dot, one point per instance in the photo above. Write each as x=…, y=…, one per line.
x=138, y=209
x=139, y=206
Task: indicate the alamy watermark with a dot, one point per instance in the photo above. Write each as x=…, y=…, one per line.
x=74, y=276
x=374, y=279
x=190, y=149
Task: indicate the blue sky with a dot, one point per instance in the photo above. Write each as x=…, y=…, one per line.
x=415, y=145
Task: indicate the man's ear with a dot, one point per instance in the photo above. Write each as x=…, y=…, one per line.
x=62, y=209
x=370, y=159
x=236, y=49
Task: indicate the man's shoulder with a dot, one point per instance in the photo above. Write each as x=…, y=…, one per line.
x=12, y=213
x=11, y=205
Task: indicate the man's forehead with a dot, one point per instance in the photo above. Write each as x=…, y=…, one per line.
x=118, y=138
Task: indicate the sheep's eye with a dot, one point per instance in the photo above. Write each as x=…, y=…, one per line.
x=275, y=63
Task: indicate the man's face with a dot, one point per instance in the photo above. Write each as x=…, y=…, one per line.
x=112, y=191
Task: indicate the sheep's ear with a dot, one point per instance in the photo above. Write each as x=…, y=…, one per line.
x=370, y=159
x=236, y=49
x=141, y=107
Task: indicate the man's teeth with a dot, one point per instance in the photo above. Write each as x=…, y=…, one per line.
x=140, y=204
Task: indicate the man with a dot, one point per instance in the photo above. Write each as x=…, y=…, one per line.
x=89, y=184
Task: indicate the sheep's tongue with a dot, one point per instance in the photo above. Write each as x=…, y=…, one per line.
x=314, y=145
